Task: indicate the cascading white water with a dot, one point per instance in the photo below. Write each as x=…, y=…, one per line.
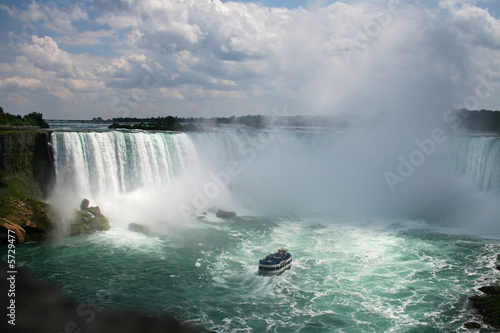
x=138, y=176
x=104, y=163
x=477, y=158
x=153, y=177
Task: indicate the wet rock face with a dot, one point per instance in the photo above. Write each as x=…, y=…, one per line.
x=26, y=174
x=16, y=150
x=88, y=220
x=27, y=152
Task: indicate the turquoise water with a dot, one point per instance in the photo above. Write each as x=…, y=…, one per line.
x=347, y=276
x=366, y=259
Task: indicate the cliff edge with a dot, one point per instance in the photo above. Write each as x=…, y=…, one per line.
x=26, y=175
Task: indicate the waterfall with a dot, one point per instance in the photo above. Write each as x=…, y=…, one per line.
x=160, y=177
x=103, y=163
x=477, y=158
x=99, y=163
x=112, y=162
x=150, y=173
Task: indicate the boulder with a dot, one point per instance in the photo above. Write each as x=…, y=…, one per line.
x=488, y=305
x=84, y=205
x=88, y=220
x=96, y=211
x=472, y=325
x=224, y=214
x=135, y=227
x=490, y=290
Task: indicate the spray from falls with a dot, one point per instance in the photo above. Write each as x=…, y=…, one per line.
x=477, y=158
x=135, y=177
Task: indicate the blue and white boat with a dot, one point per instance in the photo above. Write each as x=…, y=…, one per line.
x=275, y=263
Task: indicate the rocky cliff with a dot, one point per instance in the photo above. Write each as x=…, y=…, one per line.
x=27, y=152
x=26, y=174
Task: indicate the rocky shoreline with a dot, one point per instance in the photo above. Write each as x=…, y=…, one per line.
x=487, y=305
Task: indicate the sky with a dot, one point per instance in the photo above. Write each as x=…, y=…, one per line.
x=203, y=58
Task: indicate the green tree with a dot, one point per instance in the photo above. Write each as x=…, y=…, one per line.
x=36, y=119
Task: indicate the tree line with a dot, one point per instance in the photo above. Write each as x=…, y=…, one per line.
x=174, y=123
x=481, y=121
x=31, y=119
x=168, y=123
x=475, y=120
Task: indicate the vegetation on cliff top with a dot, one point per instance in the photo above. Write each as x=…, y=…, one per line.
x=170, y=123
x=31, y=119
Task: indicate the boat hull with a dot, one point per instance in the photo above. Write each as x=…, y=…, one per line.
x=273, y=270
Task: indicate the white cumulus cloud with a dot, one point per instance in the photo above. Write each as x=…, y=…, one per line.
x=347, y=57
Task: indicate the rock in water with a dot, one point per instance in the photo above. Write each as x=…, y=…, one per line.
x=88, y=220
x=488, y=305
x=96, y=211
x=490, y=290
x=86, y=223
x=472, y=324
x=225, y=215
x=139, y=228
x=84, y=205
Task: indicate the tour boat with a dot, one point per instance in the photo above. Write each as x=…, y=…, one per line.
x=275, y=263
